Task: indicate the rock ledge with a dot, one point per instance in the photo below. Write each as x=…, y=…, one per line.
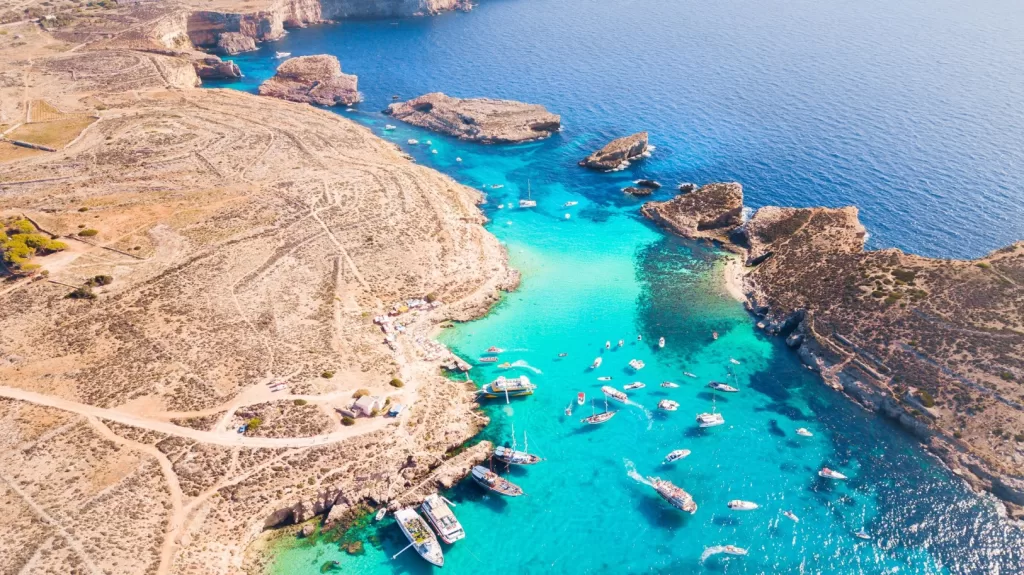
x=478, y=119
x=313, y=80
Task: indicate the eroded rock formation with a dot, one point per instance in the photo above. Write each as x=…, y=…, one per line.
x=312, y=80
x=618, y=153
x=710, y=212
x=478, y=119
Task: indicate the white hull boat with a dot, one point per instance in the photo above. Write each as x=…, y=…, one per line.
x=634, y=385
x=676, y=455
x=441, y=517
x=669, y=384
x=831, y=474
x=802, y=432
x=420, y=536
x=614, y=394
x=668, y=405
x=740, y=505
x=724, y=387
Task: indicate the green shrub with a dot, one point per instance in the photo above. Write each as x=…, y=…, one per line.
x=100, y=281
x=84, y=292
x=1006, y=376
x=1019, y=438
x=431, y=297
x=254, y=423
x=300, y=402
x=926, y=398
x=904, y=275
x=360, y=392
x=395, y=382
x=327, y=374
x=983, y=265
x=88, y=233
x=346, y=420
x=83, y=209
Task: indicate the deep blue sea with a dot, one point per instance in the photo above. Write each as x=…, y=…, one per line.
x=911, y=110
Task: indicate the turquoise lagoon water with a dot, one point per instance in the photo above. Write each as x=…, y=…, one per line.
x=911, y=112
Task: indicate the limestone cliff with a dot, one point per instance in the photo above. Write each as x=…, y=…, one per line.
x=618, y=153
x=710, y=212
x=478, y=119
x=312, y=80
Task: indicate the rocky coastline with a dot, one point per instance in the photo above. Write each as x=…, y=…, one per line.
x=618, y=153
x=481, y=120
x=312, y=80
x=927, y=343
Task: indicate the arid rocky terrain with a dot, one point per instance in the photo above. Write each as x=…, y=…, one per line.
x=478, y=119
x=242, y=241
x=937, y=345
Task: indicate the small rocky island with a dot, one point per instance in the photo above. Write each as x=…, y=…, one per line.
x=933, y=344
x=312, y=80
x=618, y=153
x=478, y=119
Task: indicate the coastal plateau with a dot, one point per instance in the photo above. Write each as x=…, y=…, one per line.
x=178, y=370
x=933, y=344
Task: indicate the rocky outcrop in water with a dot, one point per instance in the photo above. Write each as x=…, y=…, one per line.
x=313, y=80
x=618, y=153
x=477, y=119
x=928, y=343
x=213, y=68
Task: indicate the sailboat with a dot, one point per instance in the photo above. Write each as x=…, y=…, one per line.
x=596, y=418
x=528, y=202
x=511, y=456
x=710, y=419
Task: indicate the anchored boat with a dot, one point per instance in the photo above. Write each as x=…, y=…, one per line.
x=597, y=418
x=596, y=364
x=669, y=384
x=740, y=505
x=513, y=457
x=831, y=474
x=581, y=397
x=508, y=387
x=420, y=536
x=441, y=517
x=676, y=455
x=719, y=386
x=802, y=432
x=493, y=482
x=668, y=405
x=636, y=364
x=614, y=394
x=634, y=385
x=528, y=202
x=674, y=495
x=661, y=342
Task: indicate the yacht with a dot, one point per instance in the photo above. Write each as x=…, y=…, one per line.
x=596, y=364
x=488, y=359
x=676, y=455
x=441, y=517
x=508, y=387
x=636, y=364
x=674, y=495
x=634, y=385
x=661, y=342
x=719, y=386
x=614, y=394
x=791, y=516
x=862, y=534
x=493, y=482
x=831, y=474
x=802, y=432
x=420, y=536
x=740, y=505
x=413, y=142
x=569, y=204
x=282, y=55
x=605, y=378
x=669, y=384
x=688, y=374
x=528, y=202
x=389, y=127
x=668, y=405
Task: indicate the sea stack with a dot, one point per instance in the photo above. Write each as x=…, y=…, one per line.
x=478, y=119
x=618, y=153
x=313, y=80
x=712, y=211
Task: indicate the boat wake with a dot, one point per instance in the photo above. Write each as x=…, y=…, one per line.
x=632, y=472
x=646, y=412
x=522, y=363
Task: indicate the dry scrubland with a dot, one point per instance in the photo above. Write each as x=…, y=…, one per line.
x=249, y=240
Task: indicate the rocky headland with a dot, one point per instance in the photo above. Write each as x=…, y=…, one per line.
x=618, y=153
x=477, y=119
x=312, y=80
x=933, y=344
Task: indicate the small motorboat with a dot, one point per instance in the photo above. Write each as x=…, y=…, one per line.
x=668, y=405
x=734, y=361
x=497, y=186
x=791, y=516
x=389, y=127
x=634, y=385
x=380, y=514
x=802, y=432
x=636, y=364
x=605, y=378
x=862, y=534
x=413, y=141
x=676, y=455
x=563, y=354
x=741, y=505
x=569, y=204
x=719, y=386
x=280, y=55
x=433, y=151
x=494, y=349
x=429, y=143
x=661, y=342
x=568, y=216
x=622, y=343
x=493, y=482
x=501, y=206
x=608, y=345
x=581, y=397
x=714, y=335
x=505, y=365
x=614, y=394
x=669, y=384
x=831, y=474
x=639, y=337
x=734, y=550
x=458, y=159
x=394, y=96
x=688, y=374
x=596, y=364
x=488, y=359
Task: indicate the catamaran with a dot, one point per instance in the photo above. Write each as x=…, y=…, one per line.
x=668, y=405
x=740, y=505
x=614, y=394
x=831, y=474
x=596, y=418
x=441, y=517
x=719, y=386
x=508, y=387
x=636, y=364
x=528, y=202
x=802, y=432
x=634, y=385
x=669, y=384
x=676, y=455
x=420, y=536
x=714, y=335
x=710, y=419
x=513, y=457
x=674, y=495
x=493, y=482
x=661, y=342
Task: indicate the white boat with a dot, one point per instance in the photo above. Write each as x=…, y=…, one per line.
x=614, y=394
x=862, y=534
x=639, y=337
x=719, y=386
x=429, y=143
x=569, y=204
x=608, y=345
x=668, y=405
x=676, y=455
x=568, y=216
x=688, y=374
x=514, y=457
x=734, y=361
x=493, y=482
x=497, y=186
x=420, y=536
x=380, y=514
x=433, y=151
x=636, y=364
x=605, y=378
x=734, y=550
x=441, y=517
x=622, y=343
x=802, y=432
x=596, y=364
x=528, y=202
x=501, y=206
x=413, y=142
x=741, y=505
x=669, y=384
x=280, y=55
x=676, y=496
x=710, y=419
x=831, y=474
x=597, y=418
x=792, y=516
x=568, y=409
x=458, y=159
x=390, y=127
x=661, y=342
x=634, y=385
